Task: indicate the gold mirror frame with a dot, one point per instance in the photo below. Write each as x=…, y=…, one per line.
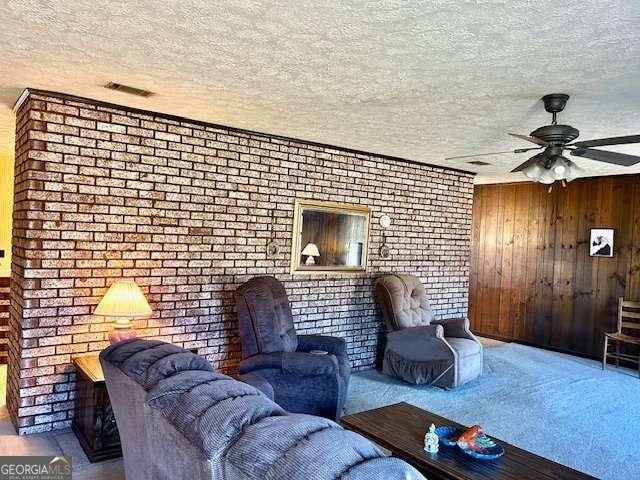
x=296, y=248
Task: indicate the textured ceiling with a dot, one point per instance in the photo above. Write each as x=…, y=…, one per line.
x=420, y=80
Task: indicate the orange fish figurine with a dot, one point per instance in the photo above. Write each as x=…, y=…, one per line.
x=467, y=439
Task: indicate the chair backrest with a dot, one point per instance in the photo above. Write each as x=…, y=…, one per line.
x=264, y=317
x=404, y=301
x=629, y=317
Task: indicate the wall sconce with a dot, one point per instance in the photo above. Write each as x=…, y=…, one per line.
x=272, y=245
x=385, y=222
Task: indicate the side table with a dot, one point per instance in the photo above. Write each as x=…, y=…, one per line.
x=94, y=423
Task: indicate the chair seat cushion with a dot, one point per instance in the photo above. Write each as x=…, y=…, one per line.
x=464, y=346
x=416, y=355
x=418, y=344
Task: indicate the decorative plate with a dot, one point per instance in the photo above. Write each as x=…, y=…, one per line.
x=448, y=435
x=483, y=448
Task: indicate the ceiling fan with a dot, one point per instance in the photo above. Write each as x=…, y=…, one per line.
x=550, y=165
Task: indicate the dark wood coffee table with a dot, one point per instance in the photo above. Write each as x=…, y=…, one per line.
x=400, y=428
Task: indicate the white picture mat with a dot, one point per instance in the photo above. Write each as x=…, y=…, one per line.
x=599, y=239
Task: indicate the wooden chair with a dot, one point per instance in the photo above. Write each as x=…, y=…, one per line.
x=628, y=332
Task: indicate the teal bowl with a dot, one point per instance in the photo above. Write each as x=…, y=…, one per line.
x=448, y=436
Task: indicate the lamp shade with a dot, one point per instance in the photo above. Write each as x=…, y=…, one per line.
x=311, y=249
x=123, y=299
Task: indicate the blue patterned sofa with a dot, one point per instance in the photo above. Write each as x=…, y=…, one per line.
x=179, y=419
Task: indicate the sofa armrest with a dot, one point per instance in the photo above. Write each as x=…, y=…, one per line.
x=333, y=345
x=291, y=363
x=455, y=327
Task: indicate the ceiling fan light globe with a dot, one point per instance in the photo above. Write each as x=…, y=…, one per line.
x=533, y=171
x=531, y=175
x=547, y=176
x=573, y=171
x=546, y=179
x=560, y=169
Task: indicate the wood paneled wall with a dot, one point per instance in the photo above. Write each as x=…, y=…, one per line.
x=532, y=279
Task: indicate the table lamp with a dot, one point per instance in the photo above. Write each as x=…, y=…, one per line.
x=311, y=250
x=123, y=301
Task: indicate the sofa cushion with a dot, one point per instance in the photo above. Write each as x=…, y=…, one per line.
x=340, y=448
x=381, y=468
x=172, y=364
x=275, y=435
x=122, y=351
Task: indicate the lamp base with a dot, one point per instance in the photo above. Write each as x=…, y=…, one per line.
x=120, y=334
x=310, y=260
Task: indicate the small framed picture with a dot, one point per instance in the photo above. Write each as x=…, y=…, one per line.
x=601, y=242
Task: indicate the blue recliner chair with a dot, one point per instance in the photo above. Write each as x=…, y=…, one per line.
x=301, y=373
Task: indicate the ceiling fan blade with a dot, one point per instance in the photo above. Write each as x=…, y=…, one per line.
x=607, y=141
x=478, y=155
x=537, y=141
x=517, y=150
x=538, y=157
x=606, y=156
x=524, y=165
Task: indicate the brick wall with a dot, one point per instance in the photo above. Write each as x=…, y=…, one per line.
x=4, y=319
x=185, y=208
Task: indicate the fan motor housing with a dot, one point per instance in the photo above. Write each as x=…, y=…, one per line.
x=556, y=134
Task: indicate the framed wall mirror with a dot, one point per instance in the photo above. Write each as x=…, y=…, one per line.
x=329, y=237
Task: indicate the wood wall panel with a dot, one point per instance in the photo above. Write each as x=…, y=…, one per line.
x=532, y=279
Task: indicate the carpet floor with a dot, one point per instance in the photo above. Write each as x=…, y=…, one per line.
x=558, y=406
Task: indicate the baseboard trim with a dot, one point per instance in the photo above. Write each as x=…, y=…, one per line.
x=537, y=345
x=623, y=363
